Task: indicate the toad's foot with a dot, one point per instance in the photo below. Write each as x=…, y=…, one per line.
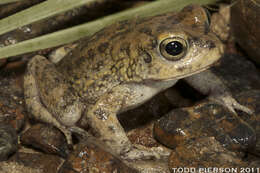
x=137, y=152
x=229, y=102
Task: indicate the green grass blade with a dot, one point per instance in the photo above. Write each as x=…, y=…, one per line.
x=38, y=12
x=77, y=32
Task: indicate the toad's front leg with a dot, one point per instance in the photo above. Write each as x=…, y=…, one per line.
x=102, y=118
x=209, y=84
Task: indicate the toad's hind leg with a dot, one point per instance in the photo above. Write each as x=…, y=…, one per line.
x=43, y=103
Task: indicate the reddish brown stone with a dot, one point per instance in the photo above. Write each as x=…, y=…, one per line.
x=205, y=152
x=88, y=157
x=67, y=170
x=255, y=166
x=46, y=163
x=245, y=22
x=143, y=136
x=11, y=116
x=237, y=73
x=147, y=112
x=15, y=167
x=252, y=99
x=166, y=132
x=15, y=65
x=8, y=141
x=205, y=119
x=46, y=138
x=2, y=61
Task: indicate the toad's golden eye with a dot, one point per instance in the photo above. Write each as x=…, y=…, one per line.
x=174, y=48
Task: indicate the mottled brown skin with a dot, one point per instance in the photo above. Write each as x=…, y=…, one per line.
x=124, y=52
x=119, y=68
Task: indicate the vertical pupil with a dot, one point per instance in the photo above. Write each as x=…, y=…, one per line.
x=174, y=48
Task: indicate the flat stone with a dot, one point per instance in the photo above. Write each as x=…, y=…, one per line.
x=252, y=100
x=2, y=62
x=44, y=162
x=204, y=152
x=143, y=136
x=237, y=73
x=89, y=157
x=11, y=116
x=148, y=112
x=8, y=141
x=245, y=22
x=45, y=138
x=206, y=119
x=14, y=167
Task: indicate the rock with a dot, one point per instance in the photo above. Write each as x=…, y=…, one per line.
x=8, y=141
x=152, y=166
x=252, y=99
x=245, y=22
x=14, y=167
x=237, y=73
x=206, y=119
x=243, y=79
x=256, y=150
x=153, y=109
x=202, y=154
x=11, y=93
x=183, y=128
x=255, y=166
x=65, y=169
x=90, y=157
x=167, y=133
x=11, y=116
x=42, y=162
x=143, y=136
x=181, y=95
x=15, y=64
x=46, y=138
x=2, y=61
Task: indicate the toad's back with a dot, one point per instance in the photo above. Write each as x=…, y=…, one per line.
x=128, y=52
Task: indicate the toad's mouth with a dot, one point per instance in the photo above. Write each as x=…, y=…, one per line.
x=186, y=75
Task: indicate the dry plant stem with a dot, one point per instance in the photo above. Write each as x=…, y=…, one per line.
x=77, y=32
